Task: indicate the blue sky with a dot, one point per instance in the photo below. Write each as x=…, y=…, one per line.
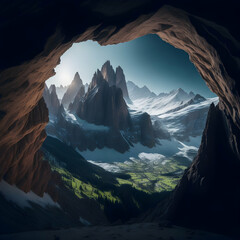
x=145, y=61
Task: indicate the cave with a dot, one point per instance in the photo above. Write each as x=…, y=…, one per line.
x=45, y=30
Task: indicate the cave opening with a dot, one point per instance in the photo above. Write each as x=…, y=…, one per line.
x=103, y=109
x=214, y=52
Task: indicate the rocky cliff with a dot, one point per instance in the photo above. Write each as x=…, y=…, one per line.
x=104, y=105
x=147, y=132
x=108, y=73
x=115, y=78
x=136, y=92
x=51, y=99
x=208, y=192
x=79, y=97
x=72, y=90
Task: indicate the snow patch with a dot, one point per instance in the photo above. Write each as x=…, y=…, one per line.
x=186, y=151
x=22, y=199
x=84, y=124
x=152, y=157
x=107, y=166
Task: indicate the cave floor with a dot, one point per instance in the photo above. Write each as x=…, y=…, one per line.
x=145, y=231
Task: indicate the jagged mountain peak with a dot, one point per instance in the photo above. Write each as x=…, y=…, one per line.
x=136, y=92
x=104, y=104
x=51, y=99
x=191, y=94
x=198, y=98
x=178, y=90
x=97, y=80
x=76, y=79
x=108, y=73
x=72, y=90
x=52, y=88
x=115, y=78
x=119, y=68
x=121, y=83
x=79, y=97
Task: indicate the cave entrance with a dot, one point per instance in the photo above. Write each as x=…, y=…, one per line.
x=30, y=62
x=137, y=110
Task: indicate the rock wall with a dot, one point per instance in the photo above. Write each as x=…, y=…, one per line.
x=208, y=194
x=37, y=33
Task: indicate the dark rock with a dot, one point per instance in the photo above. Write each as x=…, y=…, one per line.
x=121, y=83
x=108, y=73
x=147, y=134
x=208, y=195
x=104, y=105
x=45, y=31
x=115, y=78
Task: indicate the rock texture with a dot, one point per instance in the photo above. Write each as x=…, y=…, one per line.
x=115, y=78
x=51, y=99
x=104, y=105
x=108, y=73
x=147, y=132
x=72, y=90
x=84, y=140
x=79, y=97
x=46, y=30
x=121, y=82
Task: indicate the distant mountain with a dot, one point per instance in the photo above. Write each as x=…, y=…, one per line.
x=104, y=104
x=136, y=92
x=72, y=90
x=163, y=103
x=108, y=73
x=180, y=95
x=115, y=78
x=183, y=114
x=51, y=99
x=188, y=121
x=100, y=118
x=79, y=97
x=86, y=85
x=61, y=91
x=198, y=98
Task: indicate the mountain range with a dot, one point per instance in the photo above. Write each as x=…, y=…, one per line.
x=111, y=113
x=140, y=141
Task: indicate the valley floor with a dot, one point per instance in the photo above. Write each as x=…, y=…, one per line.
x=145, y=231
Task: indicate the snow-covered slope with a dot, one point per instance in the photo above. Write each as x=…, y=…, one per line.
x=162, y=103
x=182, y=114
x=188, y=121
x=136, y=92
